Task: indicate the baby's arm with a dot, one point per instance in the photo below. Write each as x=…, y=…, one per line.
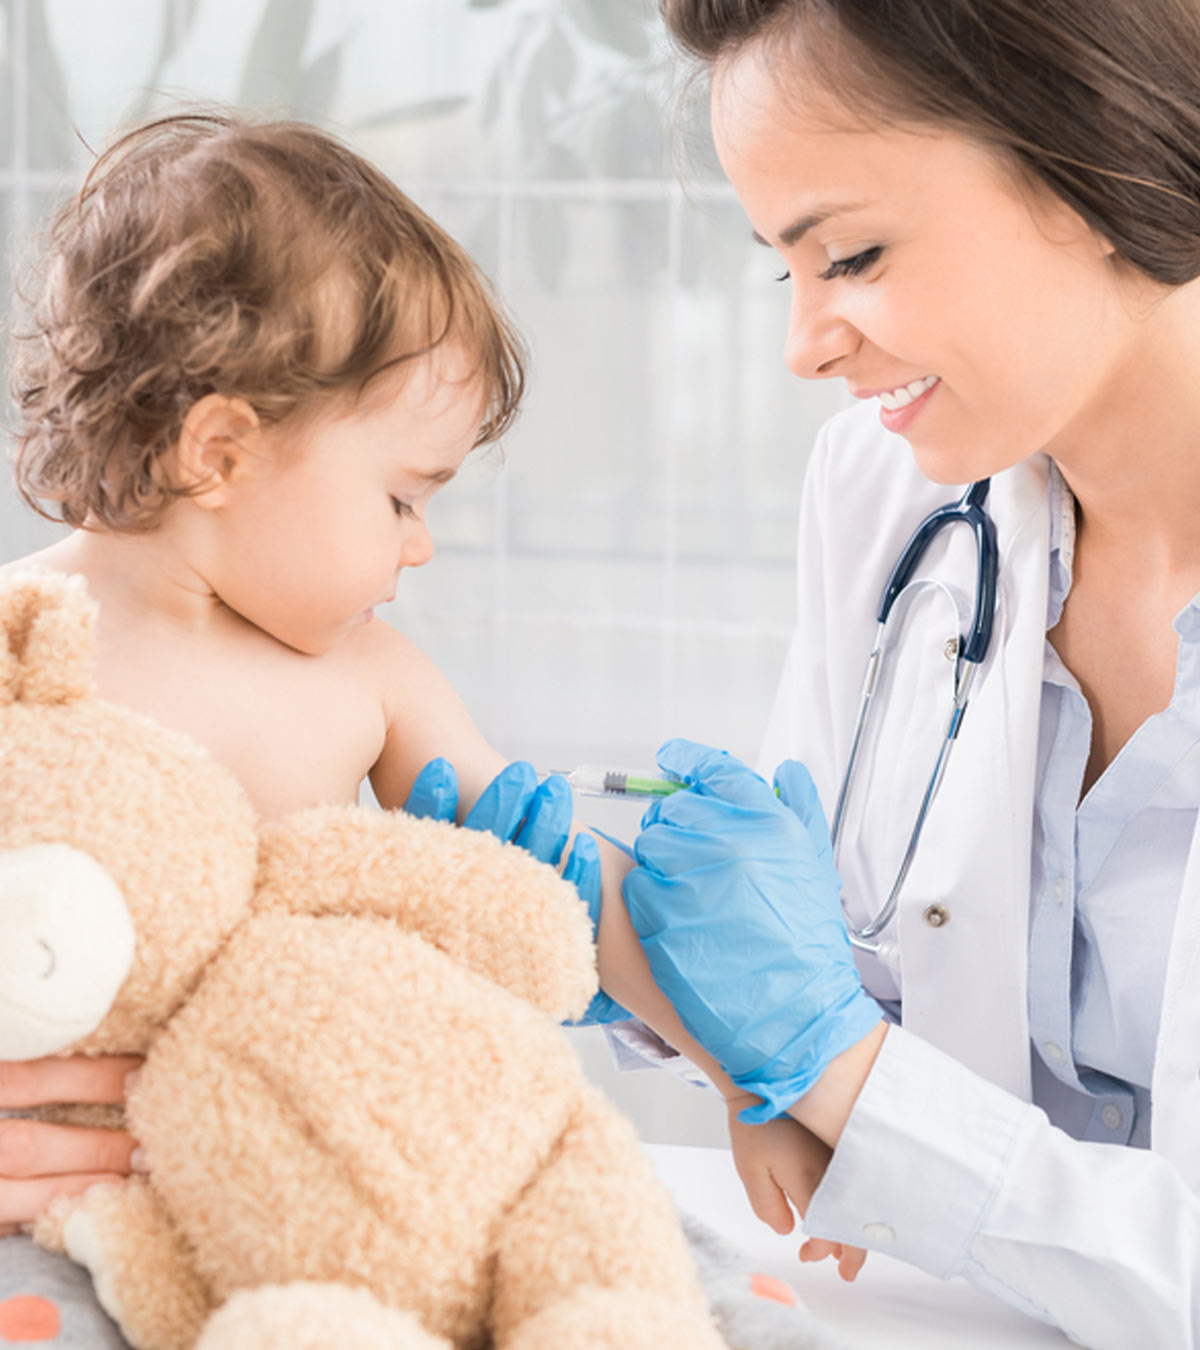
x=424, y=719
x=780, y=1167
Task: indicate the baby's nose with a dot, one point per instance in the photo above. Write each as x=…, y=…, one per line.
x=418, y=546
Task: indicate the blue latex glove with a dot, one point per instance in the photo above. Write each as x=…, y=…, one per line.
x=513, y=806
x=738, y=907
x=535, y=817
x=434, y=794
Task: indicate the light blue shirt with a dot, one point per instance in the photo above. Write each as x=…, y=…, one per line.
x=1107, y=874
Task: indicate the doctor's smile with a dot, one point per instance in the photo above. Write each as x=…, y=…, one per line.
x=900, y=405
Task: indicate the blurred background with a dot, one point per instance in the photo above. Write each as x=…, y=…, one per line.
x=623, y=570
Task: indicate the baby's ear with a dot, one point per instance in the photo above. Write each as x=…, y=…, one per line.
x=217, y=447
x=47, y=649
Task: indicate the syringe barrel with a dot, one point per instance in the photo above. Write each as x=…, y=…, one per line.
x=602, y=781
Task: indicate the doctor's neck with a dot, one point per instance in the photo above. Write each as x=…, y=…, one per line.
x=1133, y=460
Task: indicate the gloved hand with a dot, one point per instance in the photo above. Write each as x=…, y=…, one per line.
x=513, y=806
x=535, y=816
x=738, y=907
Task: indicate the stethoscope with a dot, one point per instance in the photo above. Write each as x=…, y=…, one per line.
x=970, y=652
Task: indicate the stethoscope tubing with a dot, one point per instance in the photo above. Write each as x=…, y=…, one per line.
x=970, y=652
x=967, y=510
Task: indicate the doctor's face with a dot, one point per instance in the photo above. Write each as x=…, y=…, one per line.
x=981, y=313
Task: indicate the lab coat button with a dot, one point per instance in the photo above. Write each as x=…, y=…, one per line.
x=1054, y=1052
x=1111, y=1116
x=937, y=916
x=879, y=1233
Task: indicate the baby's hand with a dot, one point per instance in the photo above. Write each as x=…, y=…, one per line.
x=781, y=1165
x=40, y=1161
x=849, y=1259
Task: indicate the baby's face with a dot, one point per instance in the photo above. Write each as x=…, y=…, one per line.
x=320, y=537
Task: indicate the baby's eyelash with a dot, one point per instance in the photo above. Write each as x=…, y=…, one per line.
x=851, y=267
x=402, y=508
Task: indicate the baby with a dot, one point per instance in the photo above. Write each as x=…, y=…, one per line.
x=252, y=364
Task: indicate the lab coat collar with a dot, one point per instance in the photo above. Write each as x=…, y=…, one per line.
x=1175, y=1087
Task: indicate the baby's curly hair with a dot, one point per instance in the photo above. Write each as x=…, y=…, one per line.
x=209, y=252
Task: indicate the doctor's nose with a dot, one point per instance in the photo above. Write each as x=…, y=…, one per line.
x=817, y=338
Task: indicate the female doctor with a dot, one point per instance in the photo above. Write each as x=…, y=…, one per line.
x=989, y=211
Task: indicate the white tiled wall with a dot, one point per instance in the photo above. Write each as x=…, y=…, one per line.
x=627, y=574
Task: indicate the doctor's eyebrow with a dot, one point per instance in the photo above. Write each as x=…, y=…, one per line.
x=799, y=228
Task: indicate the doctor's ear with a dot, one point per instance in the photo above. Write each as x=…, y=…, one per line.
x=217, y=448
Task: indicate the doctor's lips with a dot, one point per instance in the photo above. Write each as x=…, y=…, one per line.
x=900, y=406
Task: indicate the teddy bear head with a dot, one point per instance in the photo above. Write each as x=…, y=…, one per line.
x=127, y=854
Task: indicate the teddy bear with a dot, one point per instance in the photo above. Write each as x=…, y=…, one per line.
x=363, y=1125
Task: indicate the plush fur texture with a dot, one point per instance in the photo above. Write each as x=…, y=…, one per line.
x=753, y=1311
x=363, y=1126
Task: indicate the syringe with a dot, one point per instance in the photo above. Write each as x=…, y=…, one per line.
x=594, y=780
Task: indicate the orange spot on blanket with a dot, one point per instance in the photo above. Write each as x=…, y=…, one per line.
x=28, y=1318
x=767, y=1286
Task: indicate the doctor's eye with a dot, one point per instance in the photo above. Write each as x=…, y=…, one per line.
x=403, y=509
x=851, y=267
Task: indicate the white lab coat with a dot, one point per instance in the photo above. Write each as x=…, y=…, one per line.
x=938, y=1165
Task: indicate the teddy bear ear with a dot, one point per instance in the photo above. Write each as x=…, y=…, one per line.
x=47, y=624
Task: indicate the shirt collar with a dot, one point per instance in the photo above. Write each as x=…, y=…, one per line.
x=1062, y=545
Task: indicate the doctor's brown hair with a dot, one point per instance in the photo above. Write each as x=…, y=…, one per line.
x=1097, y=99
x=209, y=252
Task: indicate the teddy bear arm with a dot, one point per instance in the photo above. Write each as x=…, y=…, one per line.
x=139, y=1265
x=593, y=1253
x=488, y=904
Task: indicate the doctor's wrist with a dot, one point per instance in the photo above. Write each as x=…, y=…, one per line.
x=825, y=1107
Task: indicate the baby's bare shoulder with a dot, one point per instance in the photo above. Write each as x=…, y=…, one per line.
x=395, y=664
x=424, y=715
x=44, y=560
